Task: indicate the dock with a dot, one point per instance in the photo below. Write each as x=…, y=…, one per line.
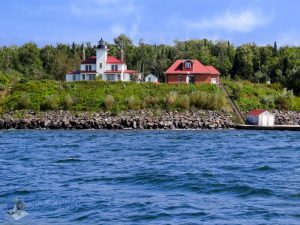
x=276, y=127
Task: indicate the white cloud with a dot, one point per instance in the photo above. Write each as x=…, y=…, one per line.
x=115, y=16
x=244, y=21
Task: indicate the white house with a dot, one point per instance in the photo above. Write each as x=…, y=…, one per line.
x=151, y=78
x=261, y=118
x=102, y=67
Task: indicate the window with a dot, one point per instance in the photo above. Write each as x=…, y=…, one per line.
x=188, y=65
x=110, y=77
x=149, y=79
x=83, y=76
x=88, y=67
x=100, y=65
x=180, y=78
x=92, y=76
x=114, y=67
x=119, y=76
x=74, y=77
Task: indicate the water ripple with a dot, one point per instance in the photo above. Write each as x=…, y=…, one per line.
x=151, y=177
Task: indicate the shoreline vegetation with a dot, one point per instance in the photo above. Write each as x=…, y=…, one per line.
x=31, y=83
x=114, y=97
x=118, y=105
x=49, y=104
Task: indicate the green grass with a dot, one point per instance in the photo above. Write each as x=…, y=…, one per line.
x=250, y=96
x=117, y=96
x=114, y=96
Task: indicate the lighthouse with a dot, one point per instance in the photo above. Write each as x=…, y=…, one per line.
x=101, y=58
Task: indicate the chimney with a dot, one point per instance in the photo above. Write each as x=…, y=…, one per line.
x=122, y=52
x=83, y=55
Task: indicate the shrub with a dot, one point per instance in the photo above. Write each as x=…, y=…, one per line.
x=282, y=102
x=133, y=102
x=268, y=102
x=109, y=102
x=215, y=101
x=236, y=92
x=24, y=102
x=171, y=99
x=184, y=102
x=199, y=100
x=3, y=79
x=151, y=101
x=67, y=102
x=2, y=87
x=285, y=101
x=50, y=103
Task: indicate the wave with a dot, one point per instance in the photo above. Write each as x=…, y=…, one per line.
x=265, y=168
x=69, y=160
x=245, y=191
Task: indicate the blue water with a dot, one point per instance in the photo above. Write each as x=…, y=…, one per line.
x=151, y=177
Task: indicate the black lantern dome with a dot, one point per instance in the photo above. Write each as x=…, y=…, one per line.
x=101, y=44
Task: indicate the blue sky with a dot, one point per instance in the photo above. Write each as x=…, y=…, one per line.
x=156, y=21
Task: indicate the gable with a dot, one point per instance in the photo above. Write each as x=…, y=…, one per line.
x=197, y=68
x=256, y=112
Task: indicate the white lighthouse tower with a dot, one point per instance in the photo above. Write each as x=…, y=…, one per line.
x=101, y=58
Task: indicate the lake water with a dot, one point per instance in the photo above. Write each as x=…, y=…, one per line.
x=151, y=177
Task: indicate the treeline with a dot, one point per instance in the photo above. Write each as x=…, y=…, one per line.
x=247, y=62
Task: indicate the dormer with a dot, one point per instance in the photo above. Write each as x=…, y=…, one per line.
x=187, y=65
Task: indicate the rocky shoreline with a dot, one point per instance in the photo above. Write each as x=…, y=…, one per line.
x=286, y=117
x=140, y=120
x=125, y=120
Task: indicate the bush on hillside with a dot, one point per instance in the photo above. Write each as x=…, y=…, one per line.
x=68, y=102
x=268, y=102
x=285, y=101
x=198, y=100
x=50, y=103
x=24, y=102
x=109, y=102
x=151, y=101
x=133, y=102
x=183, y=102
x=171, y=99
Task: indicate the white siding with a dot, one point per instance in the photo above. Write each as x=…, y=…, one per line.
x=69, y=77
x=151, y=77
x=126, y=77
x=101, y=59
x=264, y=119
x=83, y=67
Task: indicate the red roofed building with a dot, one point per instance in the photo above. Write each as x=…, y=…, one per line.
x=103, y=67
x=260, y=117
x=192, y=71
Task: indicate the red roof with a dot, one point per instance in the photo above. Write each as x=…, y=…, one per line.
x=256, y=112
x=213, y=70
x=113, y=60
x=120, y=71
x=110, y=60
x=197, y=68
x=91, y=60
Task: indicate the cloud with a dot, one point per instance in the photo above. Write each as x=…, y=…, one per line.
x=244, y=21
